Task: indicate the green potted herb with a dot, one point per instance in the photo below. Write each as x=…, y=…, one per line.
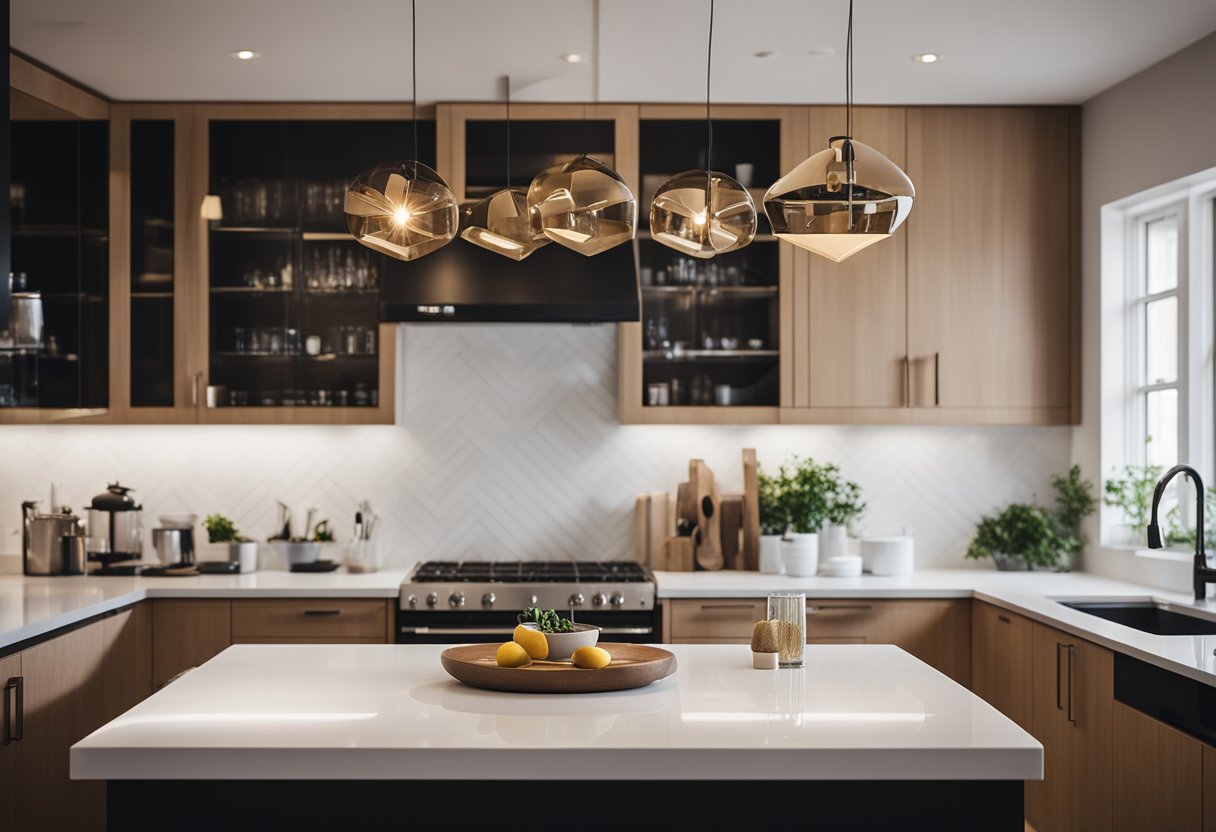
x=773, y=523
x=1075, y=501
x=1132, y=494
x=240, y=549
x=813, y=499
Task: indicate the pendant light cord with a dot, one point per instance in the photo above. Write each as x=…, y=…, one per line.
x=508, y=77
x=848, y=77
x=709, y=124
x=414, y=75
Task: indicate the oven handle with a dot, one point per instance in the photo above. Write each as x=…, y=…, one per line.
x=506, y=631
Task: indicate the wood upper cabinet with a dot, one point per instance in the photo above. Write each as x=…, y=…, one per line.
x=1001, y=664
x=1158, y=775
x=1072, y=716
x=849, y=321
x=990, y=261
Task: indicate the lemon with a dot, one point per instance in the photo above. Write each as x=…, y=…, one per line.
x=533, y=641
x=591, y=657
x=512, y=655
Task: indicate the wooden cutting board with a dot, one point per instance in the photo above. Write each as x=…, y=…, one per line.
x=751, y=511
x=633, y=666
x=705, y=502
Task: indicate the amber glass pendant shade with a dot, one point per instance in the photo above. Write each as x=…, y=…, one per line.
x=839, y=201
x=402, y=209
x=584, y=205
x=702, y=214
x=502, y=223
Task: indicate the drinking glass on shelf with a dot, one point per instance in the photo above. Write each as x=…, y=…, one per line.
x=240, y=339
x=256, y=342
x=274, y=340
x=369, y=340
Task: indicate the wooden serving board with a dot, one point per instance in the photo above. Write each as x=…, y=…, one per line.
x=633, y=666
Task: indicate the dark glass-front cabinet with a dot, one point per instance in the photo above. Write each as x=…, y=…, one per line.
x=55, y=354
x=293, y=332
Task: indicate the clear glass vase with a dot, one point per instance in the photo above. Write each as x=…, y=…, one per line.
x=789, y=610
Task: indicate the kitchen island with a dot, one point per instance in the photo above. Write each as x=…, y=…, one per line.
x=313, y=736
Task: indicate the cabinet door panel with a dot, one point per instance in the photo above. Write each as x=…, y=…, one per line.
x=1073, y=684
x=1209, y=789
x=988, y=257
x=62, y=705
x=1158, y=775
x=10, y=668
x=719, y=621
x=186, y=634
x=855, y=311
x=1001, y=661
x=306, y=618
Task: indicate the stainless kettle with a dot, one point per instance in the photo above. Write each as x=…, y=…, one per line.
x=51, y=544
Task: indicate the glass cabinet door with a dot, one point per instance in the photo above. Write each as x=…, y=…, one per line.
x=710, y=328
x=55, y=353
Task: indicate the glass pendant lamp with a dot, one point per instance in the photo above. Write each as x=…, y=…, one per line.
x=503, y=222
x=703, y=213
x=843, y=198
x=403, y=209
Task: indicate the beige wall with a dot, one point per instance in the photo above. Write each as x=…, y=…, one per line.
x=1155, y=127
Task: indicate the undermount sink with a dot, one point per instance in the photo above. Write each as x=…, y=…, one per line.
x=1148, y=617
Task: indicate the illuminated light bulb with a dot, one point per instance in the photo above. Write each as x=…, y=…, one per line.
x=699, y=219
x=401, y=216
x=402, y=209
x=687, y=218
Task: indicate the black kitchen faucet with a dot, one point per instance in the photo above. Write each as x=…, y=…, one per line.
x=1203, y=574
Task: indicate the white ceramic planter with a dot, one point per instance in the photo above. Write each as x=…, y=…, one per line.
x=800, y=555
x=246, y=554
x=770, y=554
x=833, y=542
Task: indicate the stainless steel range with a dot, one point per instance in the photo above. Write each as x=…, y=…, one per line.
x=450, y=602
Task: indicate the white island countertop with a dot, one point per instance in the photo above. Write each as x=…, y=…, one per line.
x=390, y=712
x=32, y=607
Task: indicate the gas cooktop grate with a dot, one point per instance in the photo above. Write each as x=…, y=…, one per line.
x=523, y=572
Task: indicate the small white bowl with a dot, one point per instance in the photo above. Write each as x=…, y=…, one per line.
x=306, y=552
x=563, y=645
x=177, y=521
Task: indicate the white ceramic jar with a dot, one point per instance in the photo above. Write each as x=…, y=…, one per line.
x=770, y=554
x=800, y=554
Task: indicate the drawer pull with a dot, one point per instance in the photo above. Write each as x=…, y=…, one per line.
x=14, y=694
x=728, y=606
x=321, y=613
x=815, y=610
x=1004, y=619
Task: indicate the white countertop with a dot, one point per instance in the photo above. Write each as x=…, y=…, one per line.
x=31, y=607
x=1032, y=594
x=385, y=712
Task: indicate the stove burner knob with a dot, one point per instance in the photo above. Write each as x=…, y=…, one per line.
x=413, y=601
x=599, y=599
x=432, y=599
x=488, y=599
x=618, y=599
x=575, y=600
x=456, y=599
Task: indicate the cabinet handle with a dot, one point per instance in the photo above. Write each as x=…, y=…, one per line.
x=1059, y=702
x=1072, y=717
x=14, y=694
x=728, y=606
x=907, y=382
x=319, y=613
x=816, y=610
x=194, y=381
x=937, y=379
x=1004, y=619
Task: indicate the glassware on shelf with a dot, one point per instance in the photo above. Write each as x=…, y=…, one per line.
x=789, y=610
x=658, y=394
x=702, y=390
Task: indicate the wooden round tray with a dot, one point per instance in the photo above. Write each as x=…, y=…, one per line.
x=633, y=666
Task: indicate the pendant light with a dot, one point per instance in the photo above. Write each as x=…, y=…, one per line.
x=403, y=209
x=843, y=198
x=583, y=205
x=703, y=213
x=502, y=222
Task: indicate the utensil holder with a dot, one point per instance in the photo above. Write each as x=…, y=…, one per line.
x=789, y=608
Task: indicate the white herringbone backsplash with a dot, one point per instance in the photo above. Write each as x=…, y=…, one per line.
x=507, y=446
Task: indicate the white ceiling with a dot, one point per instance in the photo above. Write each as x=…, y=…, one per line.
x=997, y=51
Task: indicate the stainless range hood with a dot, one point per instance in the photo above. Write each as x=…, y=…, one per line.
x=462, y=282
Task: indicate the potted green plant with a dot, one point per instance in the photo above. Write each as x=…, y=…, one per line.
x=242, y=550
x=1027, y=536
x=844, y=505
x=1132, y=494
x=773, y=522
x=809, y=496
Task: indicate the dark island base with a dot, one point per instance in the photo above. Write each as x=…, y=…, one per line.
x=332, y=805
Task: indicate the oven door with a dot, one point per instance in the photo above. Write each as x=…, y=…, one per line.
x=415, y=627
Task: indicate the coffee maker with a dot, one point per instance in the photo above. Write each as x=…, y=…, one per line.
x=115, y=527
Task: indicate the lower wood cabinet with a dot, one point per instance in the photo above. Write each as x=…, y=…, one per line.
x=304, y=619
x=936, y=631
x=1001, y=662
x=187, y=633
x=1158, y=775
x=1209, y=788
x=1072, y=716
x=10, y=679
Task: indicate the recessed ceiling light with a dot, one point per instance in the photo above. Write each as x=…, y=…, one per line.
x=571, y=57
x=927, y=58
x=246, y=55
x=821, y=52
x=765, y=53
